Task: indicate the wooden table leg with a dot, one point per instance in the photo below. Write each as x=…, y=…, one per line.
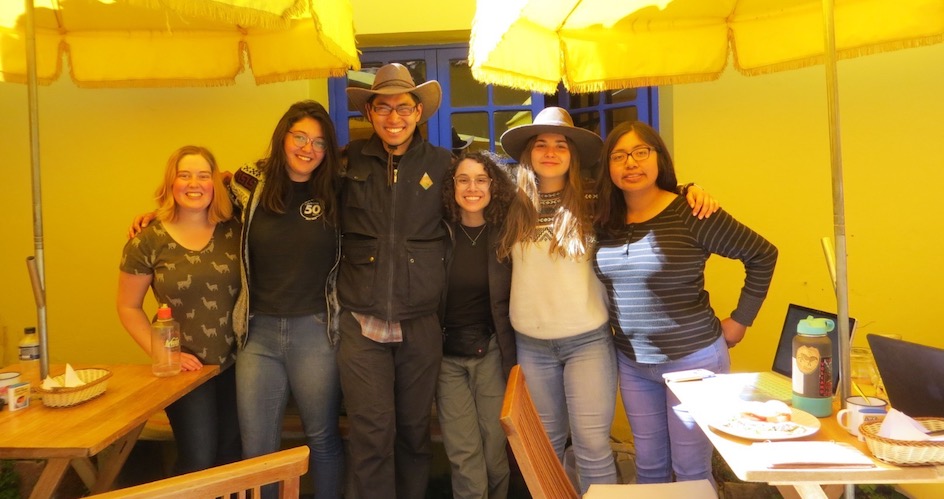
x=49, y=479
x=111, y=459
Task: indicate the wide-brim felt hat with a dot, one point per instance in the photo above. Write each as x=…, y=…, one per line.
x=553, y=120
x=393, y=79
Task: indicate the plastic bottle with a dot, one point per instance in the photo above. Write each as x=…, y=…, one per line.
x=813, y=367
x=165, y=343
x=29, y=357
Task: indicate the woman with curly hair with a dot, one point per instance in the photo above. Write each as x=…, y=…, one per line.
x=479, y=342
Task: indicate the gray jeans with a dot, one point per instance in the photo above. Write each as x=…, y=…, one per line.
x=469, y=399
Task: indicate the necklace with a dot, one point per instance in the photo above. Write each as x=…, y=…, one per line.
x=477, y=236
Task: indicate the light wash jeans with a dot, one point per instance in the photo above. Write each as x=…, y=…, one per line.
x=573, y=384
x=292, y=354
x=469, y=400
x=666, y=437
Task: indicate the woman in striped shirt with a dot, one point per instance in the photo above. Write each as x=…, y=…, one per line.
x=651, y=258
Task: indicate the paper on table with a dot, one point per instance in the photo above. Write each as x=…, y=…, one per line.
x=899, y=426
x=780, y=455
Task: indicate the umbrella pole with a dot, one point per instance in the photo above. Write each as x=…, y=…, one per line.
x=839, y=210
x=36, y=264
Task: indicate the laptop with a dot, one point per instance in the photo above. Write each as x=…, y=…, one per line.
x=777, y=384
x=913, y=375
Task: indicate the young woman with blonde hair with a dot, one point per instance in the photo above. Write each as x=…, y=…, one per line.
x=176, y=257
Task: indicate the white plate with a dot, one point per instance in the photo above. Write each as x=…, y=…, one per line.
x=801, y=424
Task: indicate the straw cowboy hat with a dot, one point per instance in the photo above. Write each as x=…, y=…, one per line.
x=554, y=120
x=393, y=79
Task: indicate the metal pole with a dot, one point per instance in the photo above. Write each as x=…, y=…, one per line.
x=839, y=211
x=40, y=273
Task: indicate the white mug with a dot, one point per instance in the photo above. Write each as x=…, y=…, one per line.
x=7, y=379
x=860, y=410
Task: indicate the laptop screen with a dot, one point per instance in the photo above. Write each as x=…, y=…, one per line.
x=913, y=375
x=783, y=359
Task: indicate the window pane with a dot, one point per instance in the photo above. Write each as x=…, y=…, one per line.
x=623, y=95
x=472, y=126
x=588, y=120
x=584, y=100
x=465, y=90
x=509, y=119
x=503, y=96
x=616, y=116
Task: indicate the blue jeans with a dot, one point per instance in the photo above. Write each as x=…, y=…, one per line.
x=205, y=425
x=666, y=437
x=292, y=354
x=573, y=384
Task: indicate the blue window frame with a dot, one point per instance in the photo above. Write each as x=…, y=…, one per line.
x=477, y=111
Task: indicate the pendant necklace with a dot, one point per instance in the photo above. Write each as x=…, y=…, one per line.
x=477, y=236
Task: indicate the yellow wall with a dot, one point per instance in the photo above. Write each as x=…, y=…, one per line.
x=102, y=153
x=759, y=144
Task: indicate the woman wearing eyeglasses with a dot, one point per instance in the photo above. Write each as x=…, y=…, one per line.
x=478, y=340
x=651, y=258
x=290, y=248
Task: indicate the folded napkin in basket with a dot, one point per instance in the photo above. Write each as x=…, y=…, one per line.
x=899, y=426
x=70, y=380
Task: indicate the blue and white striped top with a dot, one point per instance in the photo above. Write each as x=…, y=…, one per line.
x=654, y=273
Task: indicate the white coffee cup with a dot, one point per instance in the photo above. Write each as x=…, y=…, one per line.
x=860, y=410
x=7, y=379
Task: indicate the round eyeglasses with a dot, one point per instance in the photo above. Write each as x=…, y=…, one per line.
x=464, y=182
x=403, y=110
x=302, y=140
x=638, y=154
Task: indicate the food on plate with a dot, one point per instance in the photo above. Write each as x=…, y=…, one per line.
x=771, y=411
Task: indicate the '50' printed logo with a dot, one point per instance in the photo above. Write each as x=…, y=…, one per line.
x=311, y=209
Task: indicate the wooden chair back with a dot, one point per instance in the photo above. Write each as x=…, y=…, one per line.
x=283, y=467
x=542, y=470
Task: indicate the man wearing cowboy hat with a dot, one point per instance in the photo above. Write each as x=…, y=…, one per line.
x=390, y=281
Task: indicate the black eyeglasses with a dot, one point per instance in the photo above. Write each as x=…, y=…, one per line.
x=403, y=110
x=638, y=154
x=302, y=140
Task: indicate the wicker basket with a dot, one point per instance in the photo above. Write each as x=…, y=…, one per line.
x=95, y=382
x=905, y=452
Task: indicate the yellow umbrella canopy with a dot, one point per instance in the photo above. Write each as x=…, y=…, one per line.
x=161, y=43
x=595, y=45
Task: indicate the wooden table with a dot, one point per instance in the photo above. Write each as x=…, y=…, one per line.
x=105, y=427
x=707, y=398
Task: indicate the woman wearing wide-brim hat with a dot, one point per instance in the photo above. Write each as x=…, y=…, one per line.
x=558, y=306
